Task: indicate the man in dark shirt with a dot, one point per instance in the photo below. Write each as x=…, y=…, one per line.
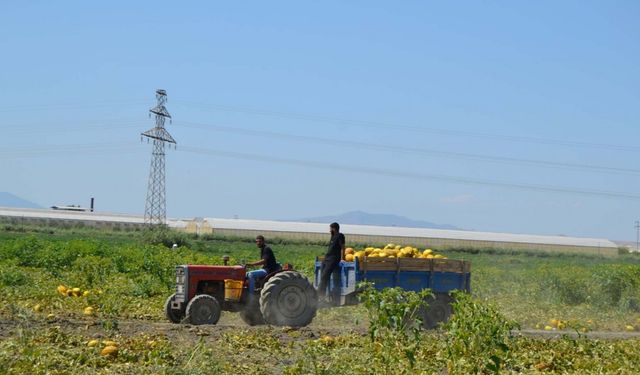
x=332, y=258
x=267, y=261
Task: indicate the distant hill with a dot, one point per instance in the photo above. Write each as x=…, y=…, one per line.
x=365, y=218
x=10, y=200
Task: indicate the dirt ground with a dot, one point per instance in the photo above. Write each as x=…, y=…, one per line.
x=95, y=328
x=228, y=323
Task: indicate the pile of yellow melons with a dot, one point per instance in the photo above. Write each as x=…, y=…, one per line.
x=390, y=251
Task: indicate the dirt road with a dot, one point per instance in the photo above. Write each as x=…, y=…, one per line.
x=96, y=328
x=184, y=332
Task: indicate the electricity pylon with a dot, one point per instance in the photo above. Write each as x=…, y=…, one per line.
x=155, y=208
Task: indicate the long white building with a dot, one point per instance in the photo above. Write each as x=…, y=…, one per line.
x=356, y=234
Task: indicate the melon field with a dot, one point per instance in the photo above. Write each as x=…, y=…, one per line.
x=85, y=301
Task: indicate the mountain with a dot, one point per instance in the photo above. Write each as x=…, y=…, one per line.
x=10, y=200
x=365, y=218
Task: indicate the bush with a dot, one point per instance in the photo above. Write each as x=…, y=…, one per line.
x=166, y=237
x=147, y=286
x=618, y=285
x=13, y=277
x=571, y=287
x=478, y=337
x=394, y=322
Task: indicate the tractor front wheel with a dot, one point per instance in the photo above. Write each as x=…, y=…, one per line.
x=288, y=299
x=203, y=309
x=174, y=316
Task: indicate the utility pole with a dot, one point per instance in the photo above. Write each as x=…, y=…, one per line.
x=637, y=226
x=155, y=213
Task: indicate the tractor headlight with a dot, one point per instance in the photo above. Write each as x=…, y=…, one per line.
x=180, y=281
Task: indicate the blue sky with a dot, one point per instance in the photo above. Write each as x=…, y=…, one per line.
x=294, y=109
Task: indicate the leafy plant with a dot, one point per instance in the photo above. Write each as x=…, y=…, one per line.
x=394, y=321
x=478, y=337
x=619, y=285
x=13, y=277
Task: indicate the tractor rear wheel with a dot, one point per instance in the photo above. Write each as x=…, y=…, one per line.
x=174, y=316
x=288, y=299
x=203, y=309
x=438, y=310
x=251, y=313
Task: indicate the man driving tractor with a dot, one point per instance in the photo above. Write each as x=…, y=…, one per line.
x=267, y=261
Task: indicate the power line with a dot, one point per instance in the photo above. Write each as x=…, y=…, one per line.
x=20, y=129
x=68, y=150
x=336, y=120
x=409, y=150
x=70, y=106
x=109, y=148
x=418, y=176
x=383, y=125
x=128, y=123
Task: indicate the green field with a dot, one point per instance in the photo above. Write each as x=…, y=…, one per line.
x=128, y=276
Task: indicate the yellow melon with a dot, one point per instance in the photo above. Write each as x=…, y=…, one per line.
x=349, y=250
x=109, y=351
x=62, y=290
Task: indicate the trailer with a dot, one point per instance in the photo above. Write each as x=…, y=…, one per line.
x=286, y=298
x=442, y=276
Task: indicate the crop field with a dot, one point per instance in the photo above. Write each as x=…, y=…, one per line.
x=528, y=313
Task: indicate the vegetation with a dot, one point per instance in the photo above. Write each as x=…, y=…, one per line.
x=127, y=276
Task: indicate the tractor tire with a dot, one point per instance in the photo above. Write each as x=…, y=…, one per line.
x=288, y=299
x=203, y=309
x=251, y=313
x=437, y=311
x=174, y=316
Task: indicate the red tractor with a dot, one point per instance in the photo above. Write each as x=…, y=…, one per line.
x=282, y=298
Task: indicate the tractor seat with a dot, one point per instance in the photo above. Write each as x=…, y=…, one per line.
x=278, y=269
x=260, y=281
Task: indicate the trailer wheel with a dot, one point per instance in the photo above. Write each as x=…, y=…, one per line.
x=437, y=311
x=203, y=309
x=288, y=299
x=174, y=316
x=251, y=313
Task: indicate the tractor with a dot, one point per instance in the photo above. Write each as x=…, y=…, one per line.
x=282, y=298
x=287, y=298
